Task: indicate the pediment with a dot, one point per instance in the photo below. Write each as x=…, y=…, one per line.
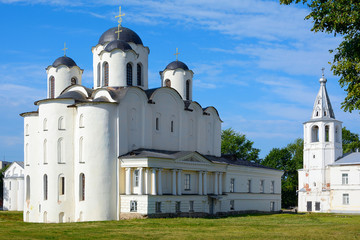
x=193, y=158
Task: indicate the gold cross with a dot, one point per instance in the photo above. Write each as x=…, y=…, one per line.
x=64, y=49
x=119, y=16
x=177, y=53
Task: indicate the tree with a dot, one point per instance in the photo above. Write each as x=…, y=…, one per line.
x=236, y=144
x=2, y=171
x=289, y=159
x=340, y=17
x=350, y=141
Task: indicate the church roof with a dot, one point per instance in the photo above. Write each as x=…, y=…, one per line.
x=126, y=35
x=64, y=60
x=77, y=96
x=117, y=44
x=322, y=107
x=177, y=64
x=349, y=159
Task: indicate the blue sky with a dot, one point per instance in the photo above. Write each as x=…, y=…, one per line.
x=256, y=61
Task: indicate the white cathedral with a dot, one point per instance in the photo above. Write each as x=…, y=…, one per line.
x=122, y=150
x=329, y=180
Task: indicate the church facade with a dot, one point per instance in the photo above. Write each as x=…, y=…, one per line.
x=122, y=150
x=13, y=187
x=329, y=180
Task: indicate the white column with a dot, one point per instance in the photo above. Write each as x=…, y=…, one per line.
x=200, y=183
x=179, y=182
x=146, y=181
x=216, y=185
x=205, y=183
x=174, y=181
x=220, y=183
x=153, y=181
x=159, y=182
x=140, y=181
x=127, y=181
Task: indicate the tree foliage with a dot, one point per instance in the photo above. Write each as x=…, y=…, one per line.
x=340, y=17
x=289, y=159
x=236, y=144
x=350, y=141
x=2, y=171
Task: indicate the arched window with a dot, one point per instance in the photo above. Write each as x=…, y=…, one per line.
x=73, y=81
x=317, y=113
x=61, y=123
x=98, y=75
x=45, y=182
x=81, y=121
x=315, y=134
x=106, y=74
x=327, y=137
x=45, y=151
x=51, y=87
x=61, y=189
x=27, y=188
x=45, y=217
x=27, y=154
x=81, y=140
x=82, y=187
x=188, y=90
x=324, y=113
x=129, y=74
x=45, y=125
x=27, y=130
x=139, y=75
x=167, y=83
x=61, y=217
x=60, y=150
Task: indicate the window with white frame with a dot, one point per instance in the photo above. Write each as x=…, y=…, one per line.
x=136, y=178
x=232, y=184
x=272, y=187
x=191, y=206
x=232, y=205
x=178, y=207
x=249, y=185
x=345, y=178
x=346, y=199
x=133, y=206
x=61, y=123
x=262, y=186
x=158, y=207
x=187, y=182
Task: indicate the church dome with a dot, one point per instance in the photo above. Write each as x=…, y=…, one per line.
x=64, y=61
x=177, y=64
x=117, y=44
x=127, y=35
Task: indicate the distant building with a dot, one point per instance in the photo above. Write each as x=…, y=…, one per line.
x=121, y=149
x=13, y=189
x=329, y=180
x=4, y=164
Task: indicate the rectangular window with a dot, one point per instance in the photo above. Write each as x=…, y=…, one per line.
x=158, y=207
x=272, y=187
x=157, y=124
x=178, y=207
x=187, y=181
x=249, y=186
x=136, y=178
x=262, y=186
x=272, y=206
x=62, y=186
x=191, y=206
x=317, y=206
x=172, y=126
x=133, y=206
x=232, y=205
x=232, y=184
x=10, y=185
x=345, y=178
x=346, y=199
x=309, y=206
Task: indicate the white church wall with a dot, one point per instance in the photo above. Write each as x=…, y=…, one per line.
x=178, y=78
x=13, y=190
x=142, y=59
x=63, y=76
x=97, y=66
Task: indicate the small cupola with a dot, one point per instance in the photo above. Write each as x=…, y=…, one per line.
x=322, y=106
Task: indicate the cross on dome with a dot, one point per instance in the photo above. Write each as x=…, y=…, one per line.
x=64, y=49
x=119, y=21
x=177, y=53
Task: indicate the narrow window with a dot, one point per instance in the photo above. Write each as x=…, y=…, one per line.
x=327, y=134
x=232, y=184
x=61, y=217
x=81, y=121
x=45, y=125
x=73, y=80
x=62, y=185
x=27, y=130
x=232, y=205
x=158, y=207
x=187, y=182
x=98, y=75
x=188, y=90
x=82, y=187
x=60, y=151
x=27, y=154
x=317, y=113
x=81, y=159
x=27, y=188
x=191, y=206
x=167, y=83
x=106, y=74
x=45, y=183
x=315, y=134
x=136, y=178
x=133, y=206
x=178, y=207
x=61, y=123
x=346, y=199
x=45, y=217
x=157, y=124
x=272, y=206
x=325, y=116
x=337, y=136
x=262, y=186
x=172, y=126
x=249, y=185
x=317, y=206
x=139, y=75
x=9, y=185
x=52, y=87
x=272, y=187
x=45, y=151
x=129, y=74
x=345, y=178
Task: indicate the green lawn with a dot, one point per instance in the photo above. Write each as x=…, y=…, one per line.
x=254, y=226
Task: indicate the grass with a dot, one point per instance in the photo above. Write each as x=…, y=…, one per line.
x=254, y=226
